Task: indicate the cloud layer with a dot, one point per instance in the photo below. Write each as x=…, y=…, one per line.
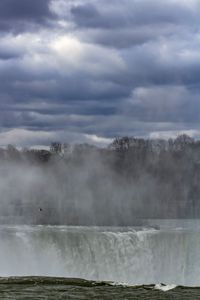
x=87, y=71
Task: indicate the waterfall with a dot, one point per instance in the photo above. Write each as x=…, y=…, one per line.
x=127, y=255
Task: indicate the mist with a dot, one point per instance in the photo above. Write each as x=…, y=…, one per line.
x=131, y=180
x=75, y=192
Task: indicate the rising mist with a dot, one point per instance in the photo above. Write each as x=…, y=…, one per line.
x=130, y=180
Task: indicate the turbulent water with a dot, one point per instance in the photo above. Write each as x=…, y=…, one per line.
x=60, y=288
x=163, y=251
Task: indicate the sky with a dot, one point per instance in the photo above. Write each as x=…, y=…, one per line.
x=87, y=71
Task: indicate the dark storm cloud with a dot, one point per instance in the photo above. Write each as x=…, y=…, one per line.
x=22, y=14
x=4, y=55
x=126, y=13
x=87, y=15
x=88, y=68
x=128, y=22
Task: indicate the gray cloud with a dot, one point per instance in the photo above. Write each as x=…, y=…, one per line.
x=125, y=23
x=82, y=69
x=21, y=15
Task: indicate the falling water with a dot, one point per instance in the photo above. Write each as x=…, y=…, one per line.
x=130, y=255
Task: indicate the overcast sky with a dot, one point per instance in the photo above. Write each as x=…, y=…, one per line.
x=91, y=70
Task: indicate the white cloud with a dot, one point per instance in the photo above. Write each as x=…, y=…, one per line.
x=97, y=140
x=23, y=137
x=50, y=54
x=194, y=133
x=42, y=139
x=71, y=53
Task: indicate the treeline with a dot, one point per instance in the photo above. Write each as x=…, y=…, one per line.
x=129, y=180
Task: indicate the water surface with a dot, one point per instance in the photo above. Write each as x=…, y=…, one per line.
x=61, y=288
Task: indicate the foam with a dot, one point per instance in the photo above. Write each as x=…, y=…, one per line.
x=165, y=288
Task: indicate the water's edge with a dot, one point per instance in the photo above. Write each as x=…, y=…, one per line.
x=51, y=288
x=46, y=280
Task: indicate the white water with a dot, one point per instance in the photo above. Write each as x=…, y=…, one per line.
x=169, y=255
x=165, y=288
